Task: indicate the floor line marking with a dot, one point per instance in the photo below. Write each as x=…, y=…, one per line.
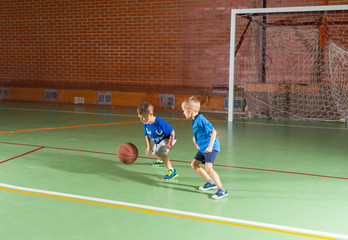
x=91, y=113
x=286, y=125
x=74, y=112
x=218, y=165
x=58, y=148
x=177, y=213
x=280, y=171
x=78, y=126
x=125, y=115
x=22, y=155
x=65, y=127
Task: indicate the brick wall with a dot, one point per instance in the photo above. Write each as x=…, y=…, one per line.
x=102, y=44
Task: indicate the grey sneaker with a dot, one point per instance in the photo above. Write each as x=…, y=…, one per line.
x=220, y=194
x=207, y=186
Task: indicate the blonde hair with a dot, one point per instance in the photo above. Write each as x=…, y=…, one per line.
x=191, y=103
x=145, y=107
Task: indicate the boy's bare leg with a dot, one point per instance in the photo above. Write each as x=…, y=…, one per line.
x=195, y=165
x=166, y=160
x=213, y=174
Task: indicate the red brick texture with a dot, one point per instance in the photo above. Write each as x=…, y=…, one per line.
x=104, y=44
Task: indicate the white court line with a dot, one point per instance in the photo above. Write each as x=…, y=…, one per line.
x=74, y=112
x=283, y=125
x=212, y=120
x=173, y=211
x=296, y=126
x=61, y=111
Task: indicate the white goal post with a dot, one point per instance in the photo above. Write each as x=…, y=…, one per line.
x=266, y=68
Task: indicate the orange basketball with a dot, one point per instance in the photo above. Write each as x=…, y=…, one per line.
x=127, y=153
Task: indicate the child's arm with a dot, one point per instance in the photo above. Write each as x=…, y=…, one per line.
x=194, y=142
x=171, y=140
x=212, y=140
x=148, y=143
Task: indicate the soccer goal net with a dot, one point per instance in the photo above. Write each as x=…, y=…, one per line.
x=291, y=63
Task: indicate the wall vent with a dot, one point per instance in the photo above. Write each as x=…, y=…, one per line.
x=166, y=101
x=104, y=98
x=51, y=95
x=79, y=100
x=4, y=93
x=237, y=104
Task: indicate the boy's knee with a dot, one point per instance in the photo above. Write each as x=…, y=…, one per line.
x=209, y=168
x=194, y=164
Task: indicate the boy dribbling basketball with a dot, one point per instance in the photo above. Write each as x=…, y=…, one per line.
x=163, y=136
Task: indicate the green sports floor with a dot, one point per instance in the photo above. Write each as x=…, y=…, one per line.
x=60, y=179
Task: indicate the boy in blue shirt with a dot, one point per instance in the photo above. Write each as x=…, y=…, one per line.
x=205, y=140
x=163, y=136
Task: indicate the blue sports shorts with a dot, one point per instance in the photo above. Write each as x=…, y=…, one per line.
x=206, y=157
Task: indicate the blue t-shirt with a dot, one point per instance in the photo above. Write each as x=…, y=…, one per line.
x=158, y=130
x=202, y=129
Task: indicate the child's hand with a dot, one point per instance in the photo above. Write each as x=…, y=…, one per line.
x=148, y=150
x=209, y=149
x=195, y=143
x=168, y=146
